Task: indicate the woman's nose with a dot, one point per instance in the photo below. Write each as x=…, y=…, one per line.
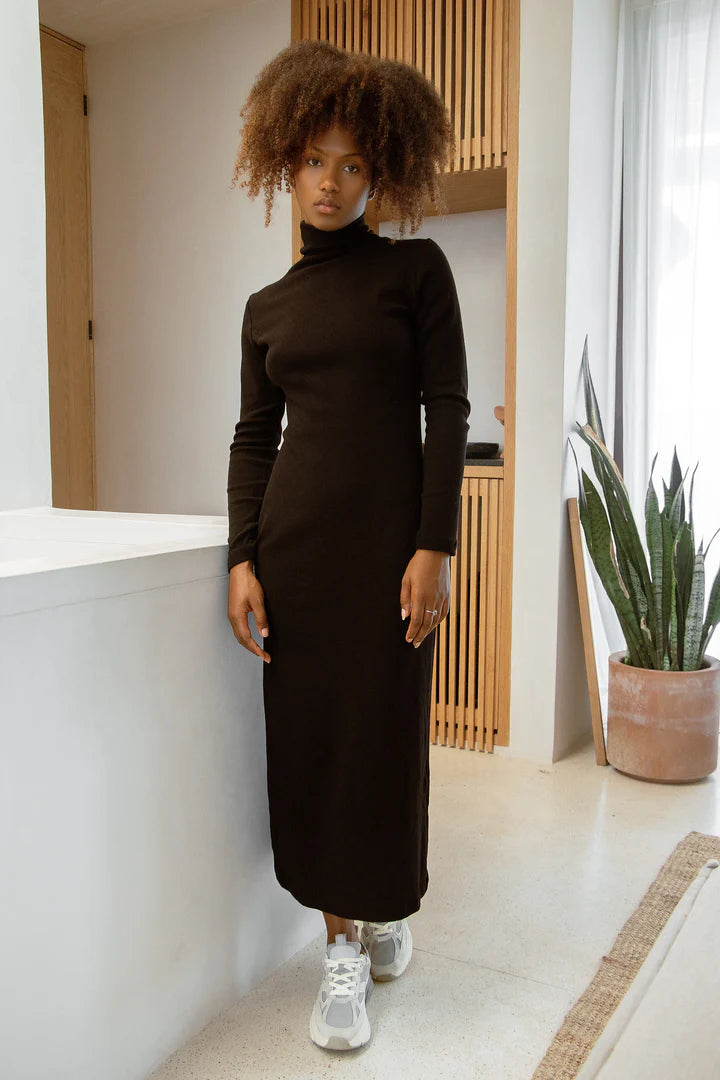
x=329, y=180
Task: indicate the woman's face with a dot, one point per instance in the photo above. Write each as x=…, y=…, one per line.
x=333, y=170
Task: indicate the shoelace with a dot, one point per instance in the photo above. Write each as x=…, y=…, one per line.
x=344, y=983
x=380, y=929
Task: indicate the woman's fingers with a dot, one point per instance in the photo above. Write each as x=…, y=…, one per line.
x=245, y=594
x=261, y=619
x=241, y=629
x=421, y=621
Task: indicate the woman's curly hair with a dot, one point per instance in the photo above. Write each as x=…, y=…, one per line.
x=393, y=112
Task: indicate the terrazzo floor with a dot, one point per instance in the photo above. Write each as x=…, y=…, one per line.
x=533, y=871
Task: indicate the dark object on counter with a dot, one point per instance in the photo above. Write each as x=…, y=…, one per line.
x=481, y=450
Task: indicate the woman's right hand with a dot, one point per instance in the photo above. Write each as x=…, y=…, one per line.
x=245, y=594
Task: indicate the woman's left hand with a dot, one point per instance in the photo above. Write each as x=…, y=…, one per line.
x=425, y=584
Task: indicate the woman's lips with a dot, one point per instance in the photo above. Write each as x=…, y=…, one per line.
x=325, y=209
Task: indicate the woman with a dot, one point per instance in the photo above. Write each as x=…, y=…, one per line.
x=340, y=540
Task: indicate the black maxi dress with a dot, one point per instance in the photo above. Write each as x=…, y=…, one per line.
x=353, y=340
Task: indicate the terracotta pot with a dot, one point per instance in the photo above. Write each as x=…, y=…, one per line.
x=663, y=725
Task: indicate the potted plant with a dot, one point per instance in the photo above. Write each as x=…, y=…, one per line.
x=664, y=691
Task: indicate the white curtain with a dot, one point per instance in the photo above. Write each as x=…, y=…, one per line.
x=670, y=52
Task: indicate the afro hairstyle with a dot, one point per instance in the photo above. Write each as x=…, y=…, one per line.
x=393, y=112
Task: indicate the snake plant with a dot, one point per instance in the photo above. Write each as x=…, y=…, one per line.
x=660, y=606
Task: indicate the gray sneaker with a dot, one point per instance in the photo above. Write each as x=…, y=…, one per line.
x=390, y=947
x=339, y=1019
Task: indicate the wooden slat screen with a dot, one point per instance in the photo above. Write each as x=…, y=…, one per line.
x=460, y=45
x=464, y=700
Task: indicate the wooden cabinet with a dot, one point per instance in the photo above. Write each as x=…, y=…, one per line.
x=465, y=705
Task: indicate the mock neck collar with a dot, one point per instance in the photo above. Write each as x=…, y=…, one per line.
x=349, y=236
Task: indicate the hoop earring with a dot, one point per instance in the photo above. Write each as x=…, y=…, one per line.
x=371, y=195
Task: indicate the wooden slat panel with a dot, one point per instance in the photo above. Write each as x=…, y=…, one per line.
x=437, y=41
x=454, y=100
x=452, y=653
x=483, y=620
x=505, y=77
x=492, y=583
x=498, y=608
x=435, y=689
x=429, y=66
x=474, y=737
x=315, y=6
x=467, y=149
x=466, y=691
x=463, y=587
x=456, y=685
x=479, y=75
x=448, y=31
x=419, y=50
x=499, y=23
x=498, y=615
x=442, y=682
x=402, y=36
x=488, y=80
x=437, y=711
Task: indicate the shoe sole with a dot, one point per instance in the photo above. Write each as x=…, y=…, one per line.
x=387, y=972
x=343, y=1038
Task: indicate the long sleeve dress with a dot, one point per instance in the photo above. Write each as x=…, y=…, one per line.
x=355, y=337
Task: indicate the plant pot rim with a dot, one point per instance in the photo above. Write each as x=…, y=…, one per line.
x=617, y=658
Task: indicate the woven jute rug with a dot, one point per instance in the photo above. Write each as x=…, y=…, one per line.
x=590, y=1013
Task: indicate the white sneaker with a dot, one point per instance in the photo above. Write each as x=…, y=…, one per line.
x=390, y=947
x=339, y=1019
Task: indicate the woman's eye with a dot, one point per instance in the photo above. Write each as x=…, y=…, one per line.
x=350, y=165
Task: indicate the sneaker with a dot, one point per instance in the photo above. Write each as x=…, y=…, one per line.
x=339, y=1019
x=390, y=947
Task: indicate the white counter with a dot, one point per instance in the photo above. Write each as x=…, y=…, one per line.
x=139, y=894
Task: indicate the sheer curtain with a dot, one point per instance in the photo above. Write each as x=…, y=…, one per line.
x=670, y=52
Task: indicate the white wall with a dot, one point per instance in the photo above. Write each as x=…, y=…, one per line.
x=475, y=247
x=24, y=398
x=175, y=252
x=542, y=227
x=591, y=308
x=566, y=177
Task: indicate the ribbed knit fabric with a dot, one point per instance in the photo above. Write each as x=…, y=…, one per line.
x=407, y=286
x=352, y=341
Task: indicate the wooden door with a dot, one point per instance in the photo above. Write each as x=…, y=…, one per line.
x=69, y=277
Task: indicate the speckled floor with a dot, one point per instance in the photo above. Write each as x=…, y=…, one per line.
x=533, y=871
